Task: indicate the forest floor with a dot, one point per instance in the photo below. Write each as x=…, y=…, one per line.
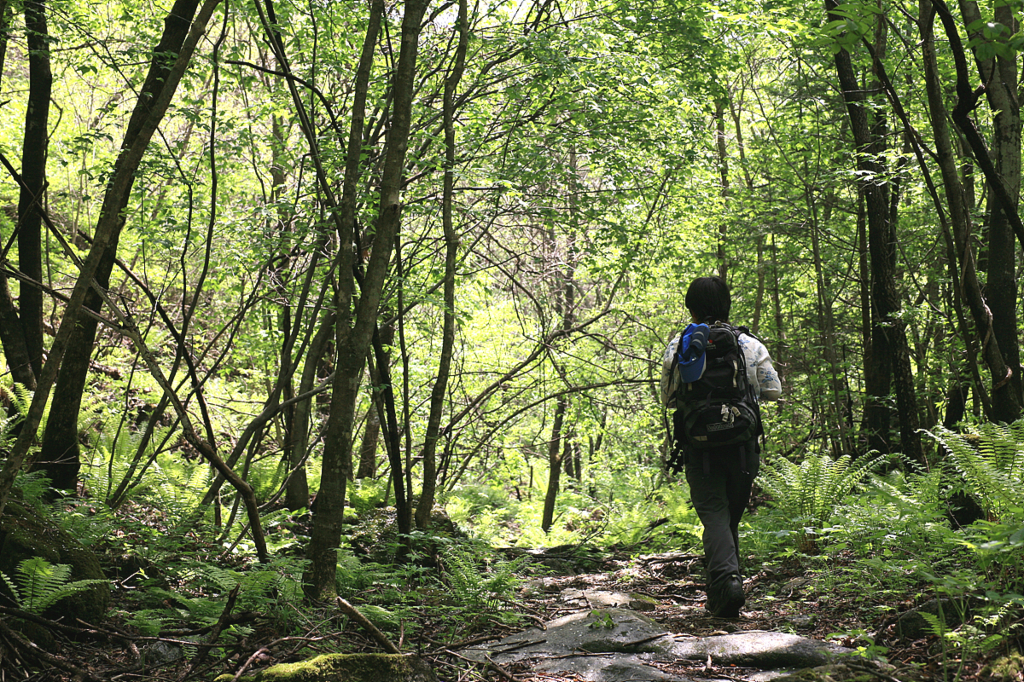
x=780, y=600
x=786, y=598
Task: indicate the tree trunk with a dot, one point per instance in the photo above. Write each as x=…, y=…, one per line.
x=841, y=442
x=554, y=464
x=782, y=347
x=1005, y=406
x=356, y=323
x=889, y=351
x=13, y=340
x=297, y=488
x=155, y=96
x=12, y=335
x=451, y=241
x=280, y=276
x=368, y=444
x=1000, y=77
x=33, y=176
x=723, y=176
x=60, y=439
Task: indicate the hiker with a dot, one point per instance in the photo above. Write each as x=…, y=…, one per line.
x=716, y=428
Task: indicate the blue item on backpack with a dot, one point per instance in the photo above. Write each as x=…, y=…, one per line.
x=692, y=359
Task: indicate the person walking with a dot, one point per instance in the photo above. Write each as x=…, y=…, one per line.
x=716, y=428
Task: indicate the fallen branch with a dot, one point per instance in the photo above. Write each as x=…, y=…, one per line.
x=222, y=623
x=353, y=613
x=498, y=669
x=266, y=650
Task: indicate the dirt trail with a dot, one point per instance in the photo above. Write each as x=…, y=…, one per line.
x=643, y=618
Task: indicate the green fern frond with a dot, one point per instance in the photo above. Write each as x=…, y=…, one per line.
x=379, y=616
x=895, y=495
x=813, y=489
x=224, y=579
x=935, y=624
x=990, y=462
x=20, y=399
x=148, y=621
x=480, y=586
x=34, y=485
x=44, y=584
x=11, y=586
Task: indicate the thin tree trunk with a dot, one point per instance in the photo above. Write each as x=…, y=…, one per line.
x=554, y=464
x=759, y=241
x=153, y=101
x=1004, y=404
x=356, y=323
x=33, y=175
x=297, y=487
x=451, y=241
x=841, y=442
x=723, y=176
x=782, y=349
x=12, y=336
x=284, y=314
x=368, y=444
x=1001, y=82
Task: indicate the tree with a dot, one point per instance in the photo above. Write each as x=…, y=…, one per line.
x=181, y=34
x=22, y=335
x=357, y=315
x=889, y=358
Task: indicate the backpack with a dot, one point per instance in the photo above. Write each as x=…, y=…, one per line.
x=719, y=409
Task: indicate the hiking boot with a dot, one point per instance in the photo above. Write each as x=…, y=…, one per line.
x=726, y=599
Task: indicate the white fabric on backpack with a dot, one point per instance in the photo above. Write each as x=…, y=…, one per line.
x=760, y=372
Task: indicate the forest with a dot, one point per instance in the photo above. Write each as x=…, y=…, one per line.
x=333, y=327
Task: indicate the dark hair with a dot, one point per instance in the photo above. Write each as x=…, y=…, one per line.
x=708, y=299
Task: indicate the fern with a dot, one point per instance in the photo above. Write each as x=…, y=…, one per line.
x=476, y=586
x=224, y=579
x=19, y=398
x=990, y=463
x=12, y=587
x=112, y=458
x=811, y=490
x=42, y=584
x=148, y=621
x=33, y=486
x=379, y=616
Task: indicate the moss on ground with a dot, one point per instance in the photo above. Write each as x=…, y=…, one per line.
x=346, y=668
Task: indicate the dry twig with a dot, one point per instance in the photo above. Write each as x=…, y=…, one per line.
x=353, y=613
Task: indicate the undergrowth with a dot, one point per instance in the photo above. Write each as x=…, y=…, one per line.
x=874, y=541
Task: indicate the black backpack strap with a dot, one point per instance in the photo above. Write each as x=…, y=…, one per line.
x=744, y=460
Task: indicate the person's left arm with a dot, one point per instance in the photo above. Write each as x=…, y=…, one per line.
x=760, y=370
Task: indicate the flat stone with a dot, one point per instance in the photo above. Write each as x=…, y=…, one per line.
x=616, y=645
x=599, y=631
x=610, y=668
x=758, y=649
x=605, y=599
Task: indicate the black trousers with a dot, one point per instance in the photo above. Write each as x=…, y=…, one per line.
x=720, y=483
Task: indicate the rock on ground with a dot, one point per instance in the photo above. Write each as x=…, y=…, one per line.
x=616, y=645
